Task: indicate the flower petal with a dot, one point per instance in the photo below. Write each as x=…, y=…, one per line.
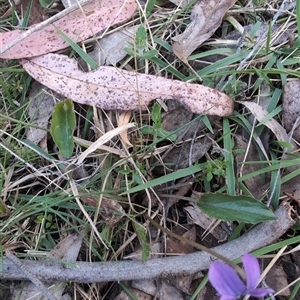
x=226, y=281
x=260, y=292
x=252, y=271
x=226, y=297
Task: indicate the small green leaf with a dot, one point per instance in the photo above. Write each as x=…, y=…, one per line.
x=235, y=208
x=148, y=129
x=130, y=50
x=141, y=38
x=141, y=233
x=2, y=207
x=166, y=134
x=62, y=127
x=150, y=54
x=156, y=113
x=46, y=3
x=149, y=6
x=285, y=144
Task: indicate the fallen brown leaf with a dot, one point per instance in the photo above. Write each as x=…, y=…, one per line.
x=39, y=111
x=111, y=88
x=110, y=49
x=196, y=216
x=98, y=15
x=260, y=114
x=188, y=153
x=174, y=247
x=167, y=292
x=180, y=3
x=277, y=278
x=252, y=183
x=206, y=17
x=291, y=107
x=111, y=211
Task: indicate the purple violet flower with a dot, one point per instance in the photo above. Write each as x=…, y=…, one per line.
x=230, y=286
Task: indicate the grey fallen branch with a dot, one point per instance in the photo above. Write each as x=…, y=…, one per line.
x=85, y=272
x=31, y=277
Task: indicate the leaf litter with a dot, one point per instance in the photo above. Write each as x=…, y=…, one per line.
x=79, y=25
x=139, y=97
x=206, y=17
x=110, y=88
x=291, y=108
x=40, y=109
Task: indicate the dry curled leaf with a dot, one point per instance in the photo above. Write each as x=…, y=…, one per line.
x=291, y=107
x=111, y=88
x=124, y=119
x=252, y=183
x=180, y=3
x=196, y=216
x=110, y=49
x=260, y=114
x=206, y=17
x=79, y=25
x=40, y=109
x=102, y=140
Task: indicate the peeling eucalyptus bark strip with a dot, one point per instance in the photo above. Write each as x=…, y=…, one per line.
x=111, y=88
x=85, y=272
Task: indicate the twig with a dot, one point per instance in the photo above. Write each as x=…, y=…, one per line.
x=30, y=276
x=86, y=272
x=199, y=247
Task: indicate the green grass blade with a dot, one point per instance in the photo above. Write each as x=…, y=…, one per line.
x=27, y=15
x=228, y=157
x=274, y=166
x=295, y=291
x=169, y=68
x=170, y=177
x=298, y=17
x=272, y=114
x=275, y=184
x=79, y=50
